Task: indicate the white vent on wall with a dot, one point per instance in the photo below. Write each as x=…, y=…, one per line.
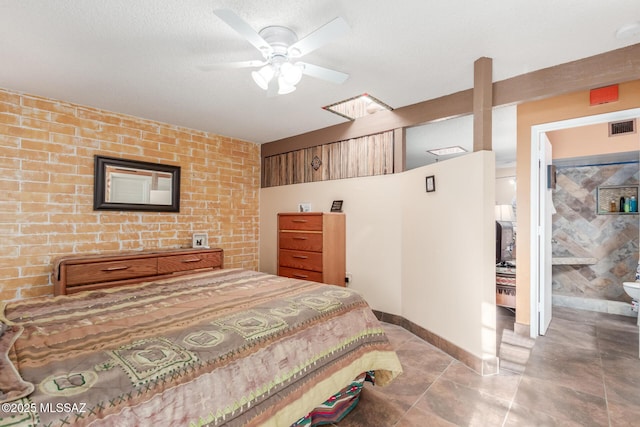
x=622, y=128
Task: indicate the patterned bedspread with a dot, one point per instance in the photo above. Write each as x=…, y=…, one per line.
x=226, y=347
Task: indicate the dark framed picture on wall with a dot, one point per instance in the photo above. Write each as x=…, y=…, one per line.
x=431, y=183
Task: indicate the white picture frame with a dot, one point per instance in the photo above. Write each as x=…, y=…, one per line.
x=200, y=241
x=304, y=207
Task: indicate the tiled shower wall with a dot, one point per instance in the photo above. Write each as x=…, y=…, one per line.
x=579, y=232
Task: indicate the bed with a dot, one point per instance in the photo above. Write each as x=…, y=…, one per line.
x=200, y=346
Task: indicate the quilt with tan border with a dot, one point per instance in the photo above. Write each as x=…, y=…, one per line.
x=225, y=347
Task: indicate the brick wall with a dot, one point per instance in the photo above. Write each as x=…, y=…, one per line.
x=47, y=150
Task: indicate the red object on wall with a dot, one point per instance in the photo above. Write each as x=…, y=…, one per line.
x=603, y=95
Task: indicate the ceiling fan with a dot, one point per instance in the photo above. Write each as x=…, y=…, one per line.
x=281, y=71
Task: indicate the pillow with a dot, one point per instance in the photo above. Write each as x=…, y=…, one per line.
x=12, y=386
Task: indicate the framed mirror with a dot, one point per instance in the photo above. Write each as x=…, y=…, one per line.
x=128, y=185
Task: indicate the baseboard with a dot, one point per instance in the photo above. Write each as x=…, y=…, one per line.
x=481, y=366
x=594, y=304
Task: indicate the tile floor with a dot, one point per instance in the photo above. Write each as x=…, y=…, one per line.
x=584, y=372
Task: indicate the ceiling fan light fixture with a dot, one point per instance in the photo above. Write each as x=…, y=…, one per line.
x=263, y=76
x=291, y=73
x=279, y=45
x=294, y=52
x=284, y=87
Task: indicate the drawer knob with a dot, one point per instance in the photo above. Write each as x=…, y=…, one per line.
x=300, y=256
x=192, y=260
x=299, y=220
x=121, y=267
x=301, y=276
x=300, y=238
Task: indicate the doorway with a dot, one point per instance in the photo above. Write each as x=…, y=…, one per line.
x=541, y=310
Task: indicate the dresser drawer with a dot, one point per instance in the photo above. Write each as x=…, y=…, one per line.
x=295, y=273
x=300, y=259
x=300, y=222
x=175, y=263
x=96, y=272
x=301, y=241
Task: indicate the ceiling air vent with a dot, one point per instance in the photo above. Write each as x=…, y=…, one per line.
x=622, y=128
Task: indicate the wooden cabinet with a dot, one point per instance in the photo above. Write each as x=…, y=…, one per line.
x=311, y=246
x=86, y=272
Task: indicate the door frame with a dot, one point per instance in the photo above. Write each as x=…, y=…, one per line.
x=538, y=224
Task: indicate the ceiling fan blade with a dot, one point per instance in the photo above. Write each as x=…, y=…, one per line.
x=244, y=29
x=232, y=65
x=327, y=74
x=323, y=35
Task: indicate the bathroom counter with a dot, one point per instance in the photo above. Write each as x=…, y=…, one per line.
x=573, y=261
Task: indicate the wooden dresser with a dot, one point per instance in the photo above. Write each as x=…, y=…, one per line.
x=79, y=273
x=311, y=246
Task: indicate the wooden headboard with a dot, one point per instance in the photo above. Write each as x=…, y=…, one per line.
x=89, y=272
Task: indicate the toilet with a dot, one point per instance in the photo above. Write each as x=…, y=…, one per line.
x=633, y=290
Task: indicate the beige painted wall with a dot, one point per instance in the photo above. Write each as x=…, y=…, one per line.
x=425, y=256
x=372, y=209
x=590, y=141
x=448, y=251
x=554, y=109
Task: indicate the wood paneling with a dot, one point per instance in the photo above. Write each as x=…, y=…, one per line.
x=365, y=156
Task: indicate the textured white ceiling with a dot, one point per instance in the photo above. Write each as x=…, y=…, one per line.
x=142, y=57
